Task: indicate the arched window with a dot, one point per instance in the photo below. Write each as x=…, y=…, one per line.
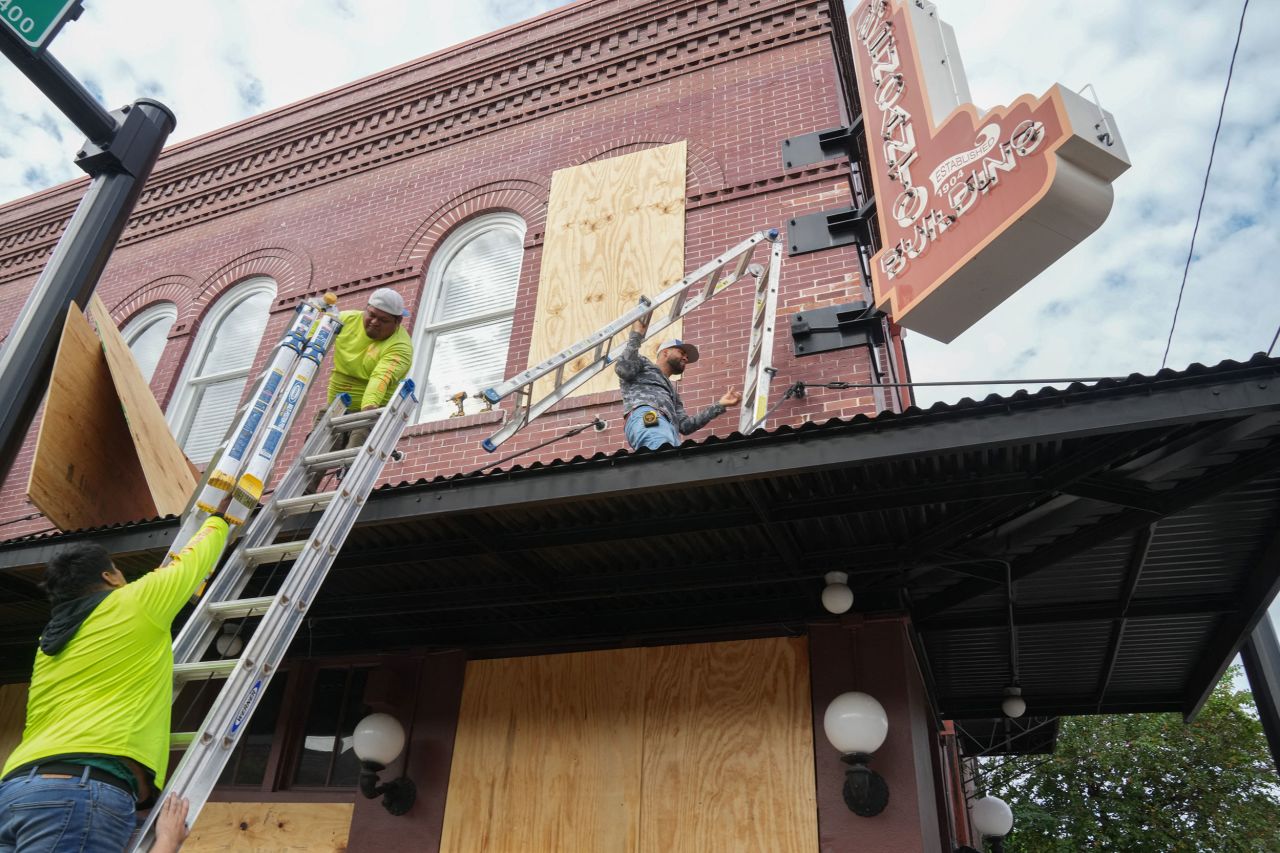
x=467, y=306
x=217, y=370
x=147, y=333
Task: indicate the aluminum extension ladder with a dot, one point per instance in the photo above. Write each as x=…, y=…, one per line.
x=755, y=386
x=247, y=677
x=667, y=307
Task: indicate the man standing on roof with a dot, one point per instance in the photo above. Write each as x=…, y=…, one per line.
x=371, y=355
x=654, y=409
x=96, y=741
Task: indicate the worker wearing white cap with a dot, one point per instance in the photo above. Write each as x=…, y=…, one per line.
x=371, y=354
x=654, y=409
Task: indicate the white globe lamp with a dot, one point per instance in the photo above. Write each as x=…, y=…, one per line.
x=856, y=725
x=837, y=598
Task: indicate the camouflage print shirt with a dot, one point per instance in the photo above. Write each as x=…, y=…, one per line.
x=644, y=384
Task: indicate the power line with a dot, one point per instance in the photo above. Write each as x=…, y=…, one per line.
x=1275, y=338
x=1205, y=188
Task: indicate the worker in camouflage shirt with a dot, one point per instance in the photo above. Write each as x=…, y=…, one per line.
x=653, y=406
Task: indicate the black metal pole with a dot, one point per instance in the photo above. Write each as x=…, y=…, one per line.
x=1261, y=654
x=57, y=84
x=119, y=154
x=26, y=359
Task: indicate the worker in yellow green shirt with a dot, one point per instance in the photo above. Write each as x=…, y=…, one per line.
x=371, y=355
x=96, y=739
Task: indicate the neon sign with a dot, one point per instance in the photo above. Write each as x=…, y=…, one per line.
x=971, y=205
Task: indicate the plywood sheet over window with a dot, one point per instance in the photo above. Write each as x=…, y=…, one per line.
x=313, y=827
x=615, y=231
x=685, y=748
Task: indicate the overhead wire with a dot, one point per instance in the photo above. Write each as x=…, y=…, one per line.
x=1204, y=189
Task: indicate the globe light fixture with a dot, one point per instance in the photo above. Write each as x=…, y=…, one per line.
x=378, y=741
x=993, y=818
x=228, y=643
x=1013, y=705
x=856, y=725
x=837, y=598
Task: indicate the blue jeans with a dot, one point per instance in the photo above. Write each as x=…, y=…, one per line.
x=660, y=434
x=39, y=815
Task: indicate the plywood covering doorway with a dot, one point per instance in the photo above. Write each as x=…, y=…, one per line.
x=703, y=747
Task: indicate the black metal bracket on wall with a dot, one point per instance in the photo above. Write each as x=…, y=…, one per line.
x=836, y=327
x=831, y=228
x=810, y=148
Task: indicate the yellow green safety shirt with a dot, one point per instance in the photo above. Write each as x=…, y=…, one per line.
x=109, y=690
x=366, y=369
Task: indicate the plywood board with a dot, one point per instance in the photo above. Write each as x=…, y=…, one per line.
x=728, y=749
x=168, y=474
x=698, y=748
x=85, y=472
x=276, y=827
x=615, y=231
x=13, y=716
x=547, y=755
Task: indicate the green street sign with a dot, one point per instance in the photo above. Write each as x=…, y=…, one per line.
x=36, y=22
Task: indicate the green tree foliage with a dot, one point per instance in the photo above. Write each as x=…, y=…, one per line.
x=1147, y=782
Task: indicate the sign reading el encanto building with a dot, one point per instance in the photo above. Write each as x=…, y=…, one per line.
x=971, y=204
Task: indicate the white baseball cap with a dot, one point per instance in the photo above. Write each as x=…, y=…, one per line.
x=386, y=299
x=690, y=351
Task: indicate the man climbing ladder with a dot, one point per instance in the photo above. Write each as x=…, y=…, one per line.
x=96, y=741
x=371, y=355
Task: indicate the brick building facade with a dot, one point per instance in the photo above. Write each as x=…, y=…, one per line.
x=356, y=188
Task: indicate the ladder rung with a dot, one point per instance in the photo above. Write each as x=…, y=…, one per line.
x=240, y=608
x=331, y=459
x=351, y=420
x=182, y=740
x=304, y=503
x=276, y=551
x=204, y=669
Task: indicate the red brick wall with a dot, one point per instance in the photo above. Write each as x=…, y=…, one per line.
x=482, y=128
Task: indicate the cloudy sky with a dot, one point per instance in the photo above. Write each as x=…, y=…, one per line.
x=1104, y=309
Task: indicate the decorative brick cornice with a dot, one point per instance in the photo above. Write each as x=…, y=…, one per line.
x=506, y=83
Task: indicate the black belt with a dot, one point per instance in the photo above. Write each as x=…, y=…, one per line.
x=67, y=768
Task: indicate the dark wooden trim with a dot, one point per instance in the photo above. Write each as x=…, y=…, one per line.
x=428, y=705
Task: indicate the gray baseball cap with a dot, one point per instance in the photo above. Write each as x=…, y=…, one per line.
x=386, y=299
x=690, y=351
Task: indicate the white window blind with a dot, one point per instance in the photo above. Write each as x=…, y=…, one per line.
x=218, y=368
x=147, y=334
x=467, y=312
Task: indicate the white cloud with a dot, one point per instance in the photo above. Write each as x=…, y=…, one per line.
x=1104, y=309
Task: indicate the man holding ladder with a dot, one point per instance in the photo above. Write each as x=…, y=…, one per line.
x=653, y=406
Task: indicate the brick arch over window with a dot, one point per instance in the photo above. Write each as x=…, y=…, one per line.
x=703, y=174
x=526, y=198
x=178, y=289
x=291, y=270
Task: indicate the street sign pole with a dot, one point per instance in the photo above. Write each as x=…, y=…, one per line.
x=119, y=154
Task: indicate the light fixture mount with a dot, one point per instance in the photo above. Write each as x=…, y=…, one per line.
x=865, y=791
